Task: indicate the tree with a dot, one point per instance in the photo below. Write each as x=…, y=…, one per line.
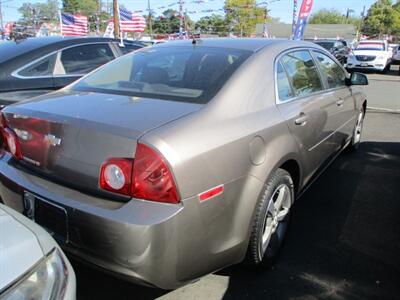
x=382, y=18
x=243, y=15
x=332, y=16
x=84, y=7
x=169, y=22
x=37, y=13
x=214, y=24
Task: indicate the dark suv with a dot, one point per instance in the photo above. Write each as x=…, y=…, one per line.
x=338, y=48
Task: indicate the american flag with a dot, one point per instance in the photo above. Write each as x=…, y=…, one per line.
x=74, y=24
x=130, y=22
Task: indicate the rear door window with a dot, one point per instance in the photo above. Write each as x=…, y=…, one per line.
x=335, y=76
x=85, y=58
x=128, y=48
x=43, y=67
x=302, y=72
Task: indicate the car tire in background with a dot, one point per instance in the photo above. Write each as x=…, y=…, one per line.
x=271, y=219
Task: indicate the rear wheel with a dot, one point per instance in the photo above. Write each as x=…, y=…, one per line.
x=356, y=139
x=271, y=219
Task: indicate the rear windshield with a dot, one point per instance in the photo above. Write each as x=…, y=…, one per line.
x=371, y=46
x=326, y=45
x=187, y=74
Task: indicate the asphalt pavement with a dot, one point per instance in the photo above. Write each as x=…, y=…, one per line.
x=344, y=237
x=383, y=91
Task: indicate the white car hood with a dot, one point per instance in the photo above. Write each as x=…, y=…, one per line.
x=19, y=249
x=370, y=52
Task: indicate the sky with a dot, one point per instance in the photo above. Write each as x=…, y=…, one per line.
x=278, y=8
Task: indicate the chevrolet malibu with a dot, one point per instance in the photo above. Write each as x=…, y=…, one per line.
x=176, y=161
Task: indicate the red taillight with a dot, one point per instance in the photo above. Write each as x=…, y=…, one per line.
x=10, y=139
x=146, y=177
x=152, y=178
x=116, y=175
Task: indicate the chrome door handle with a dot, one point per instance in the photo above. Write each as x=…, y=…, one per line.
x=302, y=120
x=340, y=102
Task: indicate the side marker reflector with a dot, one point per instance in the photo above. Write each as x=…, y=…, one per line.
x=218, y=190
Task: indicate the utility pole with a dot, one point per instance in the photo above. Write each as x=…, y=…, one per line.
x=358, y=35
x=180, y=18
x=1, y=22
x=150, y=23
x=98, y=17
x=116, y=18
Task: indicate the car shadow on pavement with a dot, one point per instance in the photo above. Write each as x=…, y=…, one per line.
x=344, y=239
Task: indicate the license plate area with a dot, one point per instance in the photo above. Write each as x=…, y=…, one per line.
x=364, y=65
x=50, y=216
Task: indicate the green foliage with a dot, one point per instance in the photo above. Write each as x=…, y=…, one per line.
x=242, y=16
x=84, y=7
x=169, y=22
x=37, y=13
x=382, y=18
x=214, y=24
x=332, y=16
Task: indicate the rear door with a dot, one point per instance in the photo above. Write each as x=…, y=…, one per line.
x=334, y=77
x=74, y=62
x=306, y=108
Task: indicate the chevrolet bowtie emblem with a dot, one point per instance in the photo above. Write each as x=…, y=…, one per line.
x=53, y=140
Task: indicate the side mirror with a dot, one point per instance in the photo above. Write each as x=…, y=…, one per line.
x=357, y=79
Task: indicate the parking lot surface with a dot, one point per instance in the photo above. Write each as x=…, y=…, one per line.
x=344, y=238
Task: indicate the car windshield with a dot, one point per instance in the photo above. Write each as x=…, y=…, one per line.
x=371, y=46
x=326, y=45
x=187, y=74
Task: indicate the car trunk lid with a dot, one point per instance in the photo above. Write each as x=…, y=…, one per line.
x=68, y=135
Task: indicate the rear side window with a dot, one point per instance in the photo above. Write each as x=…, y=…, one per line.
x=188, y=74
x=334, y=74
x=302, y=73
x=85, y=58
x=128, y=48
x=43, y=67
x=284, y=89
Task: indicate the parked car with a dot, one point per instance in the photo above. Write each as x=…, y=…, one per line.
x=32, y=265
x=396, y=56
x=370, y=55
x=36, y=66
x=337, y=48
x=176, y=161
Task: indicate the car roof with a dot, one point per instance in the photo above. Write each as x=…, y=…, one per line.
x=249, y=44
x=12, y=49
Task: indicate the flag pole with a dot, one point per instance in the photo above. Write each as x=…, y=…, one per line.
x=59, y=13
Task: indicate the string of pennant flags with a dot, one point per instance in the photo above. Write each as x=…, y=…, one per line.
x=167, y=6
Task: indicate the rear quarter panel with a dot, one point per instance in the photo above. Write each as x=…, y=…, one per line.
x=237, y=139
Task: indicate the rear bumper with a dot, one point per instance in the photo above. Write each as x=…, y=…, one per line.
x=146, y=242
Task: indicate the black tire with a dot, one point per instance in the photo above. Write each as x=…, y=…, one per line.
x=386, y=69
x=355, y=141
x=259, y=255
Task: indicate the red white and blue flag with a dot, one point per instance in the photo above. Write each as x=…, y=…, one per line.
x=131, y=22
x=73, y=24
x=304, y=14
